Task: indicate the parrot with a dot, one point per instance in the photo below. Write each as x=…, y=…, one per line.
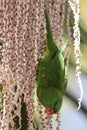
x=52, y=74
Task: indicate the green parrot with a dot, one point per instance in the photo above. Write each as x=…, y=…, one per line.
x=52, y=74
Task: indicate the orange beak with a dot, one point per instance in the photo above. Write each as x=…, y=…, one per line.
x=49, y=111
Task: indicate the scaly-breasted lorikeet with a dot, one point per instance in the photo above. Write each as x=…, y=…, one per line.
x=52, y=76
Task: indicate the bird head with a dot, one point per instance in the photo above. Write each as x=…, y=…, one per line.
x=51, y=99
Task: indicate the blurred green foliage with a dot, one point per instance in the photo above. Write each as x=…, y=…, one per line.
x=83, y=14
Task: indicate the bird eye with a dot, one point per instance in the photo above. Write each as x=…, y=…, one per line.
x=55, y=103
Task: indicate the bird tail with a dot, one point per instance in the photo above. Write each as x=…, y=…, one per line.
x=51, y=46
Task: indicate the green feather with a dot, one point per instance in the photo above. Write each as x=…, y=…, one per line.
x=51, y=81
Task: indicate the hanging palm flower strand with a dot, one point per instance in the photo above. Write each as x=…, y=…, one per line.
x=76, y=11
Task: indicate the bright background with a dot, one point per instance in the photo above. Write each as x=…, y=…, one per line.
x=71, y=119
